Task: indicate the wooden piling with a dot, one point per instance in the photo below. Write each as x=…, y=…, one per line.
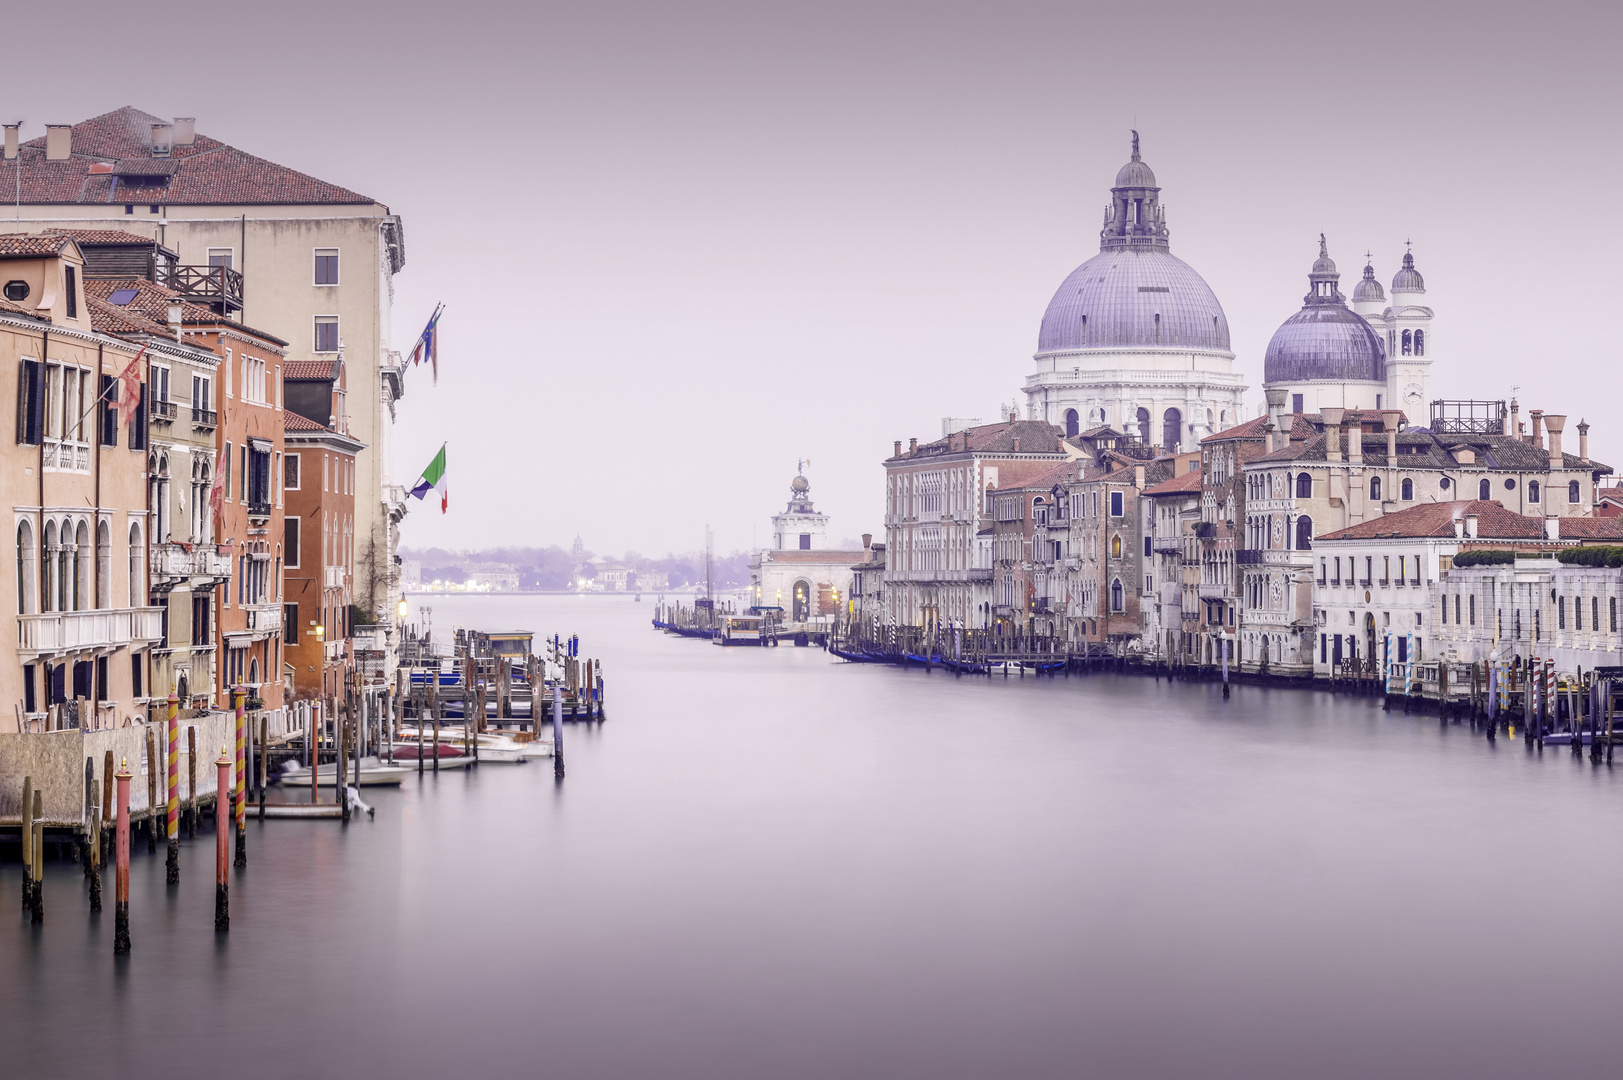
x=346, y=722
x=106, y=802
x=264, y=741
x=90, y=805
x=27, y=836
x=152, y=790
x=434, y=704
x=171, y=819
x=222, y=882
x=37, y=824
x=238, y=789
x=422, y=722
x=317, y=717
x=557, y=733
x=191, y=781
x=95, y=857
x=121, y=866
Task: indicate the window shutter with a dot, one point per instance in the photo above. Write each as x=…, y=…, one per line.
x=22, y=402
x=109, y=413
x=138, y=422
x=30, y=402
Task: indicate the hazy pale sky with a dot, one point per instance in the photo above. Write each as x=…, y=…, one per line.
x=682, y=246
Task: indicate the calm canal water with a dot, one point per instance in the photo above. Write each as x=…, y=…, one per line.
x=768, y=864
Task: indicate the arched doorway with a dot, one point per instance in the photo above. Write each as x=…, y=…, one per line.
x=801, y=606
x=1171, y=430
x=1071, y=424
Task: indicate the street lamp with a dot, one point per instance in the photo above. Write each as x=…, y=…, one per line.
x=403, y=609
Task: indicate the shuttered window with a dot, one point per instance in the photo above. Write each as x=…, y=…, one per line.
x=30, y=402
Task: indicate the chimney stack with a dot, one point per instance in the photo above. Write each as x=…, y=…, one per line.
x=867, y=541
x=58, y=142
x=1280, y=436
x=1554, y=423
x=1138, y=476
x=11, y=140
x=1515, y=424
x=1459, y=528
x=1552, y=527
x=1583, y=439
x=1332, y=432
x=1017, y=446
x=1355, y=443
x=1535, y=418
x=1389, y=418
x=912, y=446
x=162, y=139
x=185, y=131
x=1470, y=526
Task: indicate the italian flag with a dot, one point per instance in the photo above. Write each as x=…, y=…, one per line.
x=433, y=479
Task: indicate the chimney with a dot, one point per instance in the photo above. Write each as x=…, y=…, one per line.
x=1017, y=446
x=966, y=440
x=1515, y=428
x=898, y=452
x=162, y=139
x=1459, y=528
x=1355, y=443
x=11, y=140
x=1280, y=436
x=1554, y=423
x=1389, y=418
x=1552, y=527
x=185, y=130
x=1537, y=416
x=58, y=142
x=1470, y=526
x=1583, y=439
x=1332, y=432
x=1138, y=476
x=912, y=446
x=867, y=541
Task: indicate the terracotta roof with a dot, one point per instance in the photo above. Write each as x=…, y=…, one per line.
x=1251, y=429
x=292, y=421
x=1183, y=484
x=206, y=172
x=31, y=245
x=1494, y=522
x=827, y=555
x=107, y=237
x=310, y=369
x=152, y=301
x=10, y=308
x=1592, y=528
x=112, y=319
x=1034, y=436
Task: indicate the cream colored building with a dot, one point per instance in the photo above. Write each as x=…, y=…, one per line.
x=320, y=259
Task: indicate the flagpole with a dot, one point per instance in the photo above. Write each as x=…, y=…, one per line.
x=101, y=394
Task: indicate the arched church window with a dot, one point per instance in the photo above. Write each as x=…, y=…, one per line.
x=1532, y=491
x=1143, y=425
x=1304, y=533
x=1171, y=429
x=1304, y=486
x=1484, y=489
x=1408, y=490
x=1408, y=343
x=1420, y=343
x=1572, y=491
x=1071, y=426
x=1375, y=489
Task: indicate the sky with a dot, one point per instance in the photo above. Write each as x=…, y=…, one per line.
x=683, y=247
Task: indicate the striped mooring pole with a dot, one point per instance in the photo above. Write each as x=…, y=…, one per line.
x=172, y=820
x=238, y=793
x=121, y=875
x=222, y=822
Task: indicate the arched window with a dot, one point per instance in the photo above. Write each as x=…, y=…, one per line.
x=47, y=563
x=27, y=590
x=1420, y=343
x=1572, y=491
x=1071, y=426
x=1304, y=486
x=1115, y=595
x=81, y=565
x=1304, y=533
x=104, y=566
x=1408, y=343
x=1408, y=489
x=1375, y=489
x=66, y=571
x=137, y=565
x=1171, y=429
x=1484, y=489
x=1143, y=418
x=1115, y=547
x=1532, y=491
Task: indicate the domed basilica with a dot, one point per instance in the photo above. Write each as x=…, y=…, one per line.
x=1134, y=337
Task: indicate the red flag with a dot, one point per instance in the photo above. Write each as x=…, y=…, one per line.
x=217, y=491
x=129, y=388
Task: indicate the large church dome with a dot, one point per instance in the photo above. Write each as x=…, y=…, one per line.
x=1135, y=293
x=1325, y=340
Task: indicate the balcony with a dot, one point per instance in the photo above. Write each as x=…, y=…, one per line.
x=163, y=410
x=1217, y=591
x=332, y=577
x=1248, y=557
x=1168, y=545
x=173, y=565
x=260, y=509
x=263, y=618
x=53, y=633
x=205, y=418
x=64, y=455
x=217, y=286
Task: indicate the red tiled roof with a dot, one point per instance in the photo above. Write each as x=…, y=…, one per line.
x=1494, y=522
x=827, y=555
x=152, y=301
x=292, y=421
x=105, y=237
x=1592, y=528
x=1184, y=483
x=31, y=245
x=308, y=369
x=10, y=308
x=206, y=172
x=112, y=319
x=1251, y=429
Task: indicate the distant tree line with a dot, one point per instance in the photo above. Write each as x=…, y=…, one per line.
x=552, y=567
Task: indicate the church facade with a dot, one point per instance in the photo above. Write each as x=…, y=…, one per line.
x=800, y=573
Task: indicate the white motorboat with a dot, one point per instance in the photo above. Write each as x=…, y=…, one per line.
x=374, y=773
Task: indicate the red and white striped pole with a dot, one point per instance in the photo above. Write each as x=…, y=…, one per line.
x=121, y=874
x=172, y=820
x=222, y=826
x=239, y=795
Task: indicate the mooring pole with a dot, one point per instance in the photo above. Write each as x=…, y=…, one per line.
x=222, y=828
x=27, y=836
x=37, y=825
x=95, y=853
x=191, y=781
x=238, y=794
x=171, y=819
x=152, y=790
x=121, y=872
x=557, y=733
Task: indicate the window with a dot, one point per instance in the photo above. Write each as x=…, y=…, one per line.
x=138, y=422
x=290, y=624
x=128, y=208
x=221, y=257
x=1296, y=403
x=137, y=568
x=242, y=473
x=1484, y=490
x=107, y=412
x=1611, y=605
x=30, y=402
x=290, y=472
x=159, y=378
x=71, y=282
x=805, y=541
x=1116, y=595
x=1115, y=547
x=1560, y=613
x=1470, y=608
x=1456, y=610
x=1304, y=533
x=1375, y=489
x=326, y=266
x=1408, y=343
x=1577, y=613
x=1146, y=547
x=326, y=333
x=1071, y=425
x=1115, y=504
x=200, y=619
x=258, y=471
x=1408, y=490
x=1594, y=613
x=1532, y=491
x=1572, y=492
x=291, y=528
x=1304, y=486
x=1420, y=343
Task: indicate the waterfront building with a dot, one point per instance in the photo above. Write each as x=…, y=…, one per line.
x=801, y=574
x=1105, y=583
x=1171, y=604
x=319, y=635
x=1029, y=539
x=867, y=601
x=322, y=260
x=936, y=509
x=77, y=472
x=1134, y=337
x=1217, y=548
x=1382, y=586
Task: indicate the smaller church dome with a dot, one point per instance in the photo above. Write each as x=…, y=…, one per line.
x=1368, y=289
x=799, y=485
x=1408, y=279
x=1135, y=174
x=1324, y=264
